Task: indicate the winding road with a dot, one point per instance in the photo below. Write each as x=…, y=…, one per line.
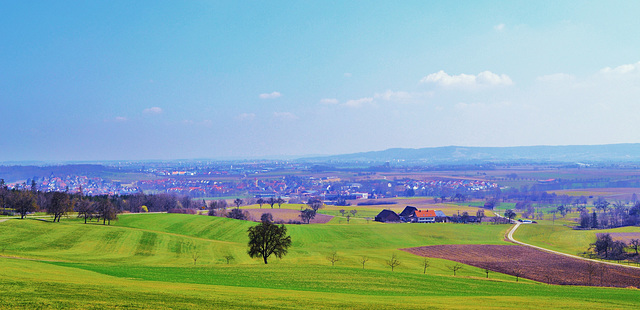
x=517, y=224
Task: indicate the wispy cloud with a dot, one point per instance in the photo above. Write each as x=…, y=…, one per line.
x=120, y=119
x=272, y=95
x=152, y=110
x=390, y=95
x=347, y=74
x=285, y=115
x=329, y=101
x=556, y=77
x=246, y=116
x=499, y=27
x=623, y=69
x=356, y=103
x=468, y=81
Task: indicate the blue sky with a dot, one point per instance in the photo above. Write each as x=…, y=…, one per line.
x=127, y=80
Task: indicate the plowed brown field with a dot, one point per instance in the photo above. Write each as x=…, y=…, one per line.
x=534, y=264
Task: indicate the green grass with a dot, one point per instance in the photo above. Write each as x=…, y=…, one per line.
x=562, y=238
x=146, y=261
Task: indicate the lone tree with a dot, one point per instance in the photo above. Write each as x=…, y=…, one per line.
x=517, y=272
x=195, y=255
x=455, y=268
x=333, y=257
x=393, y=262
x=307, y=215
x=425, y=264
x=229, y=258
x=267, y=238
x=510, y=214
x=363, y=260
x=238, y=202
x=260, y=201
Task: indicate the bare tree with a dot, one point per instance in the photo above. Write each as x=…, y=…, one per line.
x=517, y=272
x=229, y=258
x=86, y=209
x=591, y=269
x=260, y=201
x=271, y=201
x=393, y=262
x=333, y=257
x=195, y=256
x=280, y=201
x=425, y=264
x=238, y=202
x=455, y=268
x=23, y=202
x=363, y=260
x=315, y=204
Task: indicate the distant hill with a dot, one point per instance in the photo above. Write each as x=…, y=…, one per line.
x=629, y=152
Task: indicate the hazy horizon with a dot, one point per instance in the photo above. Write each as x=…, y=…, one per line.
x=147, y=80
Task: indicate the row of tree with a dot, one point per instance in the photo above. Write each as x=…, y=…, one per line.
x=607, y=248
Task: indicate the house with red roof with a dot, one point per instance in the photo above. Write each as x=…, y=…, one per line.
x=425, y=216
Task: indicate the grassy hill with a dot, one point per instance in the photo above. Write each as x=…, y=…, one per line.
x=146, y=261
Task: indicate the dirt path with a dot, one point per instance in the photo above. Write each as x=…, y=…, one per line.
x=515, y=227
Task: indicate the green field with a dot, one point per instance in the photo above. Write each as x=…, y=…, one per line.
x=562, y=238
x=146, y=261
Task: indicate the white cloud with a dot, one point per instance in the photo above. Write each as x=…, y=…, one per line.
x=470, y=81
x=152, y=110
x=623, y=69
x=272, y=95
x=499, y=27
x=121, y=119
x=246, y=116
x=285, y=115
x=356, y=103
x=393, y=95
x=347, y=74
x=556, y=77
x=329, y=101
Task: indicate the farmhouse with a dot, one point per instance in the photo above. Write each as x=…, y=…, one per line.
x=425, y=216
x=387, y=216
x=408, y=214
x=440, y=216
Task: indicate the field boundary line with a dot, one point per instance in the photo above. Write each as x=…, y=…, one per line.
x=513, y=229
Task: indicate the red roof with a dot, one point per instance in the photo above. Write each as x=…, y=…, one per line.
x=425, y=213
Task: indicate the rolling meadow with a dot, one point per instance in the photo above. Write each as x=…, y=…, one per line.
x=179, y=261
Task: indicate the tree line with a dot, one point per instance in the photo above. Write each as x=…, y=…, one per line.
x=105, y=207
